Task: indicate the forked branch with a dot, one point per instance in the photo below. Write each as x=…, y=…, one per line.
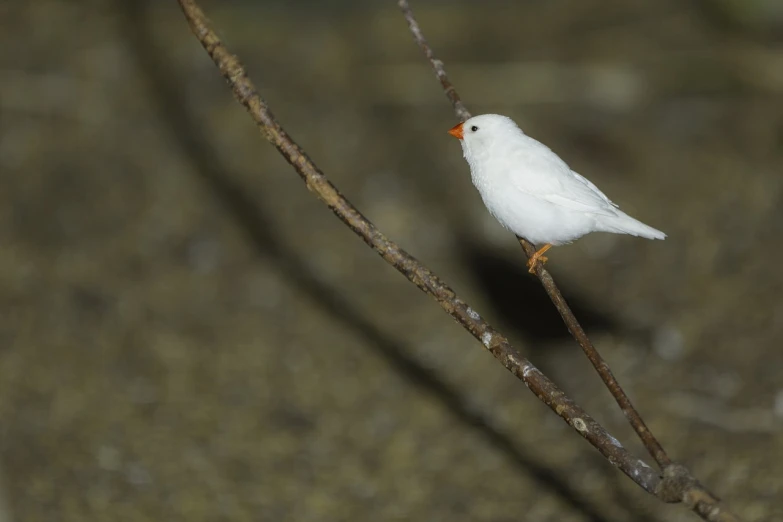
x=497, y=344
x=708, y=503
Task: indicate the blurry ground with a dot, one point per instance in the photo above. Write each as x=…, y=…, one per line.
x=186, y=333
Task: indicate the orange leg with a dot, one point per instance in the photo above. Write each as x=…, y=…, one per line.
x=538, y=257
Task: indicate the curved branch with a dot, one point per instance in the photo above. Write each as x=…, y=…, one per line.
x=496, y=343
x=678, y=484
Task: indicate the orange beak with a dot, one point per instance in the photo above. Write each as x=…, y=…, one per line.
x=456, y=131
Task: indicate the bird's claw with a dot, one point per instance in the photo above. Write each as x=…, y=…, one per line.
x=538, y=257
x=534, y=261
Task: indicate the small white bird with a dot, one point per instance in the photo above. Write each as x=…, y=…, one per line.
x=534, y=193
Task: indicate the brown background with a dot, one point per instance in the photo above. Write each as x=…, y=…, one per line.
x=187, y=334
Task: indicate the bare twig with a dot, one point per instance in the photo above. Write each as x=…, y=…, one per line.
x=678, y=484
x=451, y=93
x=649, y=441
x=598, y=362
x=496, y=343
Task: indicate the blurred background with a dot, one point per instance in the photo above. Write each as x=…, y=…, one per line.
x=187, y=334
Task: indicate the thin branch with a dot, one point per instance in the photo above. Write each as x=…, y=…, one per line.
x=648, y=439
x=687, y=488
x=598, y=362
x=496, y=343
x=451, y=93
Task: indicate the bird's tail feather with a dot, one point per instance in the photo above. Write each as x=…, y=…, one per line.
x=625, y=224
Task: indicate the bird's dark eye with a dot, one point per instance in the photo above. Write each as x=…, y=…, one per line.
x=474, y=128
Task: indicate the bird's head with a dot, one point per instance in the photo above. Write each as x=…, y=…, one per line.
x=480, y=132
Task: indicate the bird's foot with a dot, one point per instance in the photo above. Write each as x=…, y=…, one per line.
x=534, y=261
x=537, y=258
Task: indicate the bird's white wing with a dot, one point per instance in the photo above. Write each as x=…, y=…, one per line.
x=546, y=176
x=584, y=196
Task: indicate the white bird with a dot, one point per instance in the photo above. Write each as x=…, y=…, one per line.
x=534, y=193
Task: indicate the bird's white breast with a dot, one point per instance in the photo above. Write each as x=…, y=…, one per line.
x=512, y=175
